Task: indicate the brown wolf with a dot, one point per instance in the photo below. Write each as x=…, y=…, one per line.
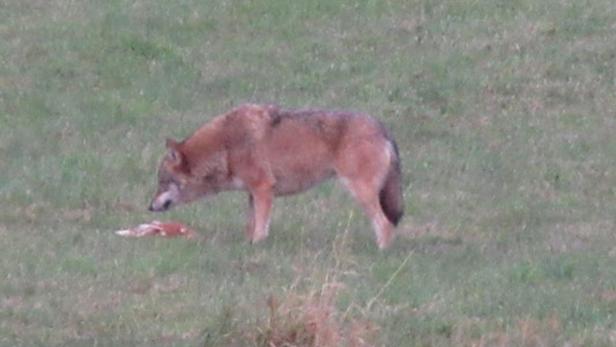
x=268, y=151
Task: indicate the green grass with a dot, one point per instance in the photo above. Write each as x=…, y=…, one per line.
x=503, y=112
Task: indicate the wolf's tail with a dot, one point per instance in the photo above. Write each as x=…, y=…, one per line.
x=390, y=196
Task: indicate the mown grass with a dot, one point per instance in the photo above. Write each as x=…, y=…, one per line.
x=503, y=112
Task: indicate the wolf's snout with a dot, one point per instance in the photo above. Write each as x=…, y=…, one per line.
x=163, y=201
x=154, y=207
x=166, y=205
x=160, y=206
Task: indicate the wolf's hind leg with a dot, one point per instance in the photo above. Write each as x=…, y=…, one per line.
x=250, y=227
x=368, y=198
x=365, y=189
x=362, y=167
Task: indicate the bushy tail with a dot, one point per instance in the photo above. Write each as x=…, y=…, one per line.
x=390, y=197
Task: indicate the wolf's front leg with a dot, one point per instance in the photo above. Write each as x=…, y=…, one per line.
x=260, y=208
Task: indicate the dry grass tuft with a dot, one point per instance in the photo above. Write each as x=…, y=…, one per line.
x=311, y=317
x=313, y=320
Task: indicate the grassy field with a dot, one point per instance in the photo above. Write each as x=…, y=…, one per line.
x=503, y=112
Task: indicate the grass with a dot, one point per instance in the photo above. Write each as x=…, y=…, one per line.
x=503, y=112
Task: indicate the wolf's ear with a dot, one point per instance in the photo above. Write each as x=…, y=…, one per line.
x=171, y=143
x=174, y=155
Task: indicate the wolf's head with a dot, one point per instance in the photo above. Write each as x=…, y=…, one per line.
x=172, y=179
x=181, y=181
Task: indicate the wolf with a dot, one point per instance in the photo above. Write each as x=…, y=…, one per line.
x=269, y=151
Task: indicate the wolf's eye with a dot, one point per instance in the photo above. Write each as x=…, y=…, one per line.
x=169, y=183
x=164, y=182
x=175, y=183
